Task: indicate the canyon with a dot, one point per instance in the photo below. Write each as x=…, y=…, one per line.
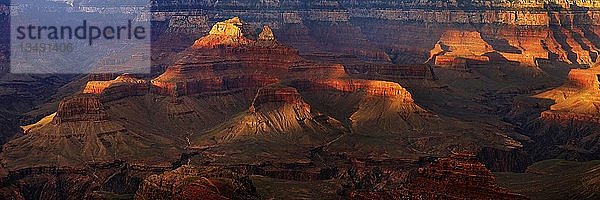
x=331, y=99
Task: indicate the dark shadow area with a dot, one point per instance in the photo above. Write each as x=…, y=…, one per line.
x=561, y=38
x=585, y=25
x=496, y=57
x=501, y=45
x=551, y=55
x=491, y=35
x=558, y=24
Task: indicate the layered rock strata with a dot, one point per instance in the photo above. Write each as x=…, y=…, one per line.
x=520, y=32
x=375, y=88
x=188, y=182
x=458, y=176
x=80, y=108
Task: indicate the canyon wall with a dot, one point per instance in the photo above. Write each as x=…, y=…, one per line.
x=517, y=33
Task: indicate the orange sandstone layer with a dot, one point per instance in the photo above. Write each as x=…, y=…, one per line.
x=376, y=88
x=576, y=100
x=97, y=87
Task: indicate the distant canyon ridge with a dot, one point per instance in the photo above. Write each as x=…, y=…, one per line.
x=409, y=32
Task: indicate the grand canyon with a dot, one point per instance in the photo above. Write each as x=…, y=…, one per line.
x=319, y=99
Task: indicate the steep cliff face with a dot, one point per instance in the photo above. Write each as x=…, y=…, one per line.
x=524, y=45
x=460, y=44
x=520, y=32
x=109, y=180
x=448, y=175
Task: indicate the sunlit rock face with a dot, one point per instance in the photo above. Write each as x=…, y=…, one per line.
x=577, y=99
x=460, y=44
x=524, y=45
x=123, y=86
x=586, y=78
x=266, y=34
x=375, y=88
x=227, y=33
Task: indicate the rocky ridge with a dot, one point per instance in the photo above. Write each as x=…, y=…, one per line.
x=520, y=32
x=188, y=182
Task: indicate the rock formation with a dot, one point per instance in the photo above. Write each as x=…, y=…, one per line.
x=567, y=126
x=375, y=88
x=97, y=87
x=446, y=177
x=458, y=44
x=123, y=86
x=520, y=32
x=227, y=33
x=188, y=182
x=80, y=108
x=523, y=45
x=577, y=99
x=259, y=108
x=229, y=67
x=266, y=34
x=277, y=113
x=82, y=130
x=458, y=176
x=586, y=78
x=274, y=94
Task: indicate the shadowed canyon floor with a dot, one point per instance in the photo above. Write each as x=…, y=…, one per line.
x=322, y=100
